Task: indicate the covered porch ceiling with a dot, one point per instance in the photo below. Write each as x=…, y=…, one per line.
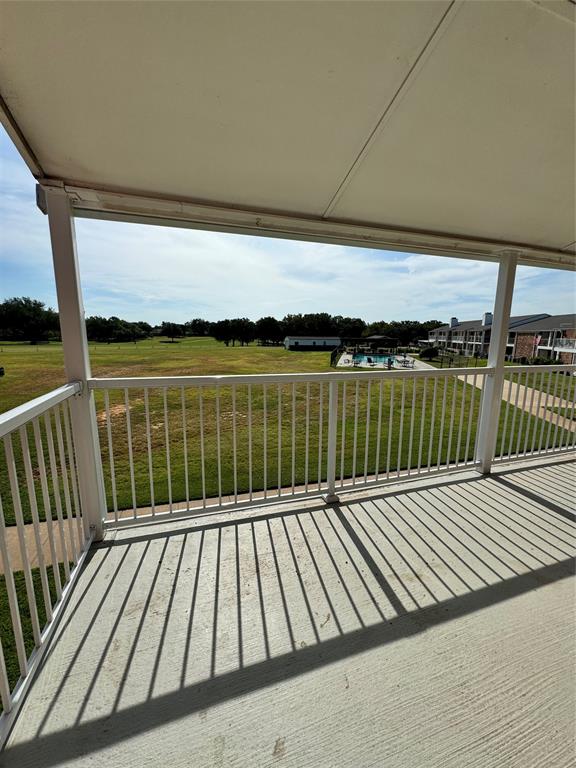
x=434, y=126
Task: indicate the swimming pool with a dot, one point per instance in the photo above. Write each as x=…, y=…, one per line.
x=369, y=360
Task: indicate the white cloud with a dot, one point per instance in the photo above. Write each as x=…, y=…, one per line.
x=198, y=273
x=156, y=273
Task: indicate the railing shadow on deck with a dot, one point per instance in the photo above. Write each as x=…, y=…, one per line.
x=180, y=620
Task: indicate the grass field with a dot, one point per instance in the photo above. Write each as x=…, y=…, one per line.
x=33, y=370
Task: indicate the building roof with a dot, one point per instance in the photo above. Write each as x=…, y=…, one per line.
x=476, y=325
x=550, y=323
x=438, y=139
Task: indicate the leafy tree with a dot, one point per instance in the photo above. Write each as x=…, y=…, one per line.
x=406, y=332
x=243, y=330
x=222, y=331
x=26, y=319
x=172, y=330
x=114, y=329
x=349, y=327
x=98, y=329
x=269, y=331
x=314, y=324
x=197, y=327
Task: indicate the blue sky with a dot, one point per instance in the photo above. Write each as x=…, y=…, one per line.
x=156, y=273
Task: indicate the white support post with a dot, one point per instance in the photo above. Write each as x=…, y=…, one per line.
x=494, y=383
x=331, y=497
x=76, y=359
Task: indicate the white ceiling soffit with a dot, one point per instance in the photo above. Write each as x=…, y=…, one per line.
x=436, y=126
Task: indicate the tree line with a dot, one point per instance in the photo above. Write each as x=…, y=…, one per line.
x=25, y=319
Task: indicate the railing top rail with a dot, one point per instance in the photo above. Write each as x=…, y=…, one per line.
x=278, y=378
x=533, y=368
x=22, y=414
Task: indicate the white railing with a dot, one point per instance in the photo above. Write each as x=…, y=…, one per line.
x=569, y=344
x=43, y=538
x=178, y=444
x=538, y=414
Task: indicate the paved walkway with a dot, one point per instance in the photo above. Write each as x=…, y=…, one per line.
x=535, y=402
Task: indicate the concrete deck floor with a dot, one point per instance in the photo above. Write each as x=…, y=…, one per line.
x=427, y=624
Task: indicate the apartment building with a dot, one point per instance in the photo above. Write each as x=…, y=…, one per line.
x=472, y=337
x=552, y=337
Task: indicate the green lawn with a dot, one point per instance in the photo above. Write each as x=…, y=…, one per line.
x=32, y=370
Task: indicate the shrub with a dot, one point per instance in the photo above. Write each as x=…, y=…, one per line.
x=430, y=353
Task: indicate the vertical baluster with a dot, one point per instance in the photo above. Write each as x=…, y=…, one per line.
x=130, y=451
x=550, y=413
x=355, y=438
x=470, y=418
x=202, y=454
x=307, y=438
x=65, y=483
x=378, y=431
x=111, y=454
x=320, y=432
x=514, y=414
x=148, y=451
x=35, y=520
x=73, y=475
x=293, y=437
x=422, y=420
x=559, y=407
x=12, y=598
x=571, y=435
x=390, y=429
x=167, y=446
x=411, y=433
x=461, y=419
x=218, y=445
x=279, y=401
x=47, y=506
x=569, y=412
x=331, y=496
x=250, y=482
x=367, y=441
x=15, y=491
x=401, y=432
x=234, y=445
x=4, y=684
x=530, y=411
x=454, y=380
x=185, y=446
x=432, y=424
x=537, y=414
x=265, y=438
x=442, y=420
x=56, y=491
x=343, y=436
x=565, y=416
x=508, y=379
x=522, y=414
x=545, y=411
